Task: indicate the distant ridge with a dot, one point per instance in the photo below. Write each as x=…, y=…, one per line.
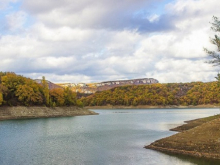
x=50, y=84
x=90, y=88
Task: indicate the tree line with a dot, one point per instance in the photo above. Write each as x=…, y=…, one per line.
x=18, y=90
x=195, y=93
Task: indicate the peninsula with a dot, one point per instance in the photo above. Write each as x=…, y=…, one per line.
x=197, y=138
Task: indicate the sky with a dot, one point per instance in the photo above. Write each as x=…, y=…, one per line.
x=93, y=41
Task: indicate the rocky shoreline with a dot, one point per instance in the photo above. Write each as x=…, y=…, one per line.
x=22, y=112
x=198, y=138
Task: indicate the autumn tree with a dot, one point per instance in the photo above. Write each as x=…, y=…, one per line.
x=28, y=96
x=1, y=98
x=57, y=97
x=157, y=94
x=11, y=82
x=19, y=90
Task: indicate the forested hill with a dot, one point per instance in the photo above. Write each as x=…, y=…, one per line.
x=18, y=90
x=195, y=93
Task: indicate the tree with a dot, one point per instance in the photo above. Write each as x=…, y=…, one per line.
x=27, y=95
x=57, y=97
x=45, y=91
x=218, y=79
x=1, y=98
x=69, y=96
x=215, y=55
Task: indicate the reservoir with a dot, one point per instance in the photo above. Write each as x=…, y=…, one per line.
x=114, y=137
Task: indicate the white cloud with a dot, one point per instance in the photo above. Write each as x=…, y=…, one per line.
x=82, y=41
x=15, y=46
x=61, y=34
x=64, y=78
x=16, y=20
x=194, y=8
x=100, y=14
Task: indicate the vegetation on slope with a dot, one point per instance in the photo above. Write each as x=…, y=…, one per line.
x=19, y=90
x=195, y=93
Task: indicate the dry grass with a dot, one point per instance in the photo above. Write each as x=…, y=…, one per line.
x=194, y=123
x=200, y=138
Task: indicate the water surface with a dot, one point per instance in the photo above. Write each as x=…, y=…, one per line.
x=114, y=137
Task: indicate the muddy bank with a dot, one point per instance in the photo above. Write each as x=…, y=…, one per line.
x=21, y=112
x=150, y=107
x=198, y=138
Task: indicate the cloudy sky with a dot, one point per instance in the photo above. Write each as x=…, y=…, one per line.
x=92, y=41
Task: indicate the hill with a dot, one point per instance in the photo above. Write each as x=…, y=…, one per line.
x=49, y=83
x=195, y=93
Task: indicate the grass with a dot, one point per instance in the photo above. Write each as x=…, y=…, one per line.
x=194, y=123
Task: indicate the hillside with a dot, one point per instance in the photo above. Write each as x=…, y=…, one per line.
x=17, y=90
x=195, y=93
x=50, y=84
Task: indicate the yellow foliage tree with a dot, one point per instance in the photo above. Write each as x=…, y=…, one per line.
x=1, y=98
x=57, y=96
x=27, y=95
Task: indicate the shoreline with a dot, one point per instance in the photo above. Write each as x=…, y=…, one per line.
x=32, y=112
x=152, y=107
x=198, y=138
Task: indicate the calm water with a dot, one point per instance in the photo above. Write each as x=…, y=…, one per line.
x=115, y=137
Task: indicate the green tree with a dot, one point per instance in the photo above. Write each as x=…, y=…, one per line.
x=215, y=54
x=218, y=79
x=69, y=96
x=79, y=103
x=45, y=91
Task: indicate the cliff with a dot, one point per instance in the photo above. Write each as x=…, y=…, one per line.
x=90, y=88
